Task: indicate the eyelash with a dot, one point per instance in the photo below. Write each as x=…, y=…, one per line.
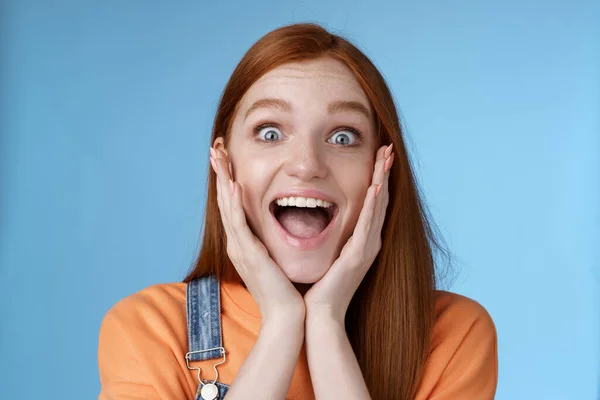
x=359, y=135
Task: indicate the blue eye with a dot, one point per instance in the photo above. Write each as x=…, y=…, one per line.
x=268, y=133
x=344, y=137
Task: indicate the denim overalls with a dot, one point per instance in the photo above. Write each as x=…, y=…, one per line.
x=205, y=339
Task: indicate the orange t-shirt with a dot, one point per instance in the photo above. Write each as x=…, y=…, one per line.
x=143, y=341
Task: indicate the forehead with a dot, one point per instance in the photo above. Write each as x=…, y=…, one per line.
x=323, y=78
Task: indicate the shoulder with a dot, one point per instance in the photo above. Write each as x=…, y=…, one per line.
x=463, y=358
x=461, y=323
x=456, y=314
x=152, y=297
x=144, y=316
x=153, y=302
x=137, y=339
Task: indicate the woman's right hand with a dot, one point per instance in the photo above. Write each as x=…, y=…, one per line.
x=281, y=306
x=274, y=293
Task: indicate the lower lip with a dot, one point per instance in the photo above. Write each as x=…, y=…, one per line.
x=304, y=244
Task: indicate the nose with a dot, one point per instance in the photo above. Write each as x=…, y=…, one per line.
x=305, y=160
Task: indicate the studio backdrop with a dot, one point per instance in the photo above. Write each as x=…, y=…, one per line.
x=105, y=116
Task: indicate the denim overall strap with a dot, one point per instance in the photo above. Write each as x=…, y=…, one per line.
x=203, y=307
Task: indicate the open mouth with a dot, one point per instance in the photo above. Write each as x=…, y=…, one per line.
x=303, y=218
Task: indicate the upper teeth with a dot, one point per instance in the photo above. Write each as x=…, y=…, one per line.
x=303, y=202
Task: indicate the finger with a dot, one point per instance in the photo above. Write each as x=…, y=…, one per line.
x=221, y=154
x=223, y=196
x=236, y=215
x=222, y=207
x=389, y=150
x=221, y=160
x=378, y=170
x=239, y=224
x=231, y=216
x=367, y=211
x=232, y=211
x=380, y=153
x=221, y=179
x=246, y=243
x=223, y=172
x=216, y=171
x=388, y=163
x=363, y=225
x=382, y=202
x=383, y=198
x=388, y=168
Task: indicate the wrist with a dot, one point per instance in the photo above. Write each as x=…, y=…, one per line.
x=284, y=332
x=325, y=315
x=289, y=318
x=324, y=318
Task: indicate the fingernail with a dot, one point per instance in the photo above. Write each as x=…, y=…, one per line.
x=378, y=190
x=214, y=165
x=231, y=186
x=213, y=153
x=388, y=151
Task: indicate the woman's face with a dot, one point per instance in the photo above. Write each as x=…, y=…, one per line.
x=303, y=131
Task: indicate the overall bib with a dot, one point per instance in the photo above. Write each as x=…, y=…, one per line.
x=205, y=338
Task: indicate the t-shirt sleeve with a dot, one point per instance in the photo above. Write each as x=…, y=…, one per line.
x=121, y=374
x=469, y=350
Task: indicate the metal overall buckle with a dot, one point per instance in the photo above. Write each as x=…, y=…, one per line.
x=209, y=390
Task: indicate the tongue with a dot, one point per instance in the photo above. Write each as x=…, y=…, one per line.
x=303, y=223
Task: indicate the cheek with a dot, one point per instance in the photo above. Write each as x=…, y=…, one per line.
x=354, y=182
x=253, y=174
x=357, y=179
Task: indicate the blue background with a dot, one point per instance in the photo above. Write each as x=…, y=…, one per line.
x=106, y=109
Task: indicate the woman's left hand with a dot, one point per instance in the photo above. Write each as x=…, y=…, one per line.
x=331, y=295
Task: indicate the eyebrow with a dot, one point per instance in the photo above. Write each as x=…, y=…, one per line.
x=334, y=107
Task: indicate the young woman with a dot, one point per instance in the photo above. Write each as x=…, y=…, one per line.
x=316, y=274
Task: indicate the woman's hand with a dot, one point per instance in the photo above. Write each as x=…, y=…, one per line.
x=331, y=295
x=281, y=305
x=276, y=296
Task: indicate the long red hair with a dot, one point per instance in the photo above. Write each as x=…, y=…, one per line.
x=390, y=319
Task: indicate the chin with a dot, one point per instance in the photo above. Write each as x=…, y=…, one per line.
x=305, y=270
